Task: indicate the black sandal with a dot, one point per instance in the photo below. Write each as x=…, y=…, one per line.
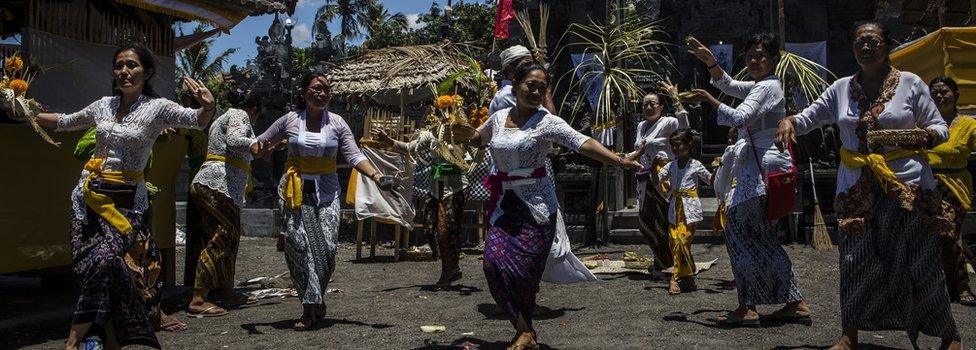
x=306, y=322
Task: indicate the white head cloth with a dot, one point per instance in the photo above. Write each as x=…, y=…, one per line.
x=514, y=53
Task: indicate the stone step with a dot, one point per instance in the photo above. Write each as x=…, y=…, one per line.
x=633, y=236
x=629, y=218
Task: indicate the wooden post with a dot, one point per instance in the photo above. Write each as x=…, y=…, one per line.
x=396, y=243
x=481, y=222
x=359, y=240
x=782, y=25
x=942, y=13
x=372, y=238
x=403, y=111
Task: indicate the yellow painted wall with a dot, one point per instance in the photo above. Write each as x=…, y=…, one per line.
x=35, y=185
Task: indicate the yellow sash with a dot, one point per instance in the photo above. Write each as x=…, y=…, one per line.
x=295, y=167
x=235, y=162
x=687, y=193
x=878, y=163
x=103, y=204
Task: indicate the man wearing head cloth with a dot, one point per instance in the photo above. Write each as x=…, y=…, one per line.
x=512, y=58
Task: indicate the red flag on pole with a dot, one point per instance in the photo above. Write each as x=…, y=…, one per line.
x=506, y=11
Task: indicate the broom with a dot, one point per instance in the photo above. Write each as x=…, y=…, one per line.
x=821, y=239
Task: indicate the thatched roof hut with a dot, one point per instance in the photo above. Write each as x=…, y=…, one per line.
x=407, y=72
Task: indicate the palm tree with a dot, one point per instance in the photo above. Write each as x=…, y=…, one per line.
x=195, y=61
x=385, y=30
x=353, y=16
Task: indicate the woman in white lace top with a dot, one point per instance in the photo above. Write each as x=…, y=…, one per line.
x=115, y=261
x=217, y=193
x=763, y=271
x=654, y=151
x=522, y=207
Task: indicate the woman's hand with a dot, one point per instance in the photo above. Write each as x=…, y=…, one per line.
x=700, y=51
x=630, y=163
x=381, y=136
x=699, y=95
x=200, y=93
x=671, y=89
x=786, y=133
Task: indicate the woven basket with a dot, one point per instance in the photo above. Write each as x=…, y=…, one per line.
x=912, y=138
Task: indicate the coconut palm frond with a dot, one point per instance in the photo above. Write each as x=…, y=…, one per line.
x=622, y=49
x=798, y=74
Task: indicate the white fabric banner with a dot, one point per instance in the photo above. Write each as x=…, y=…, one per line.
x=396, y=205
x=816, y=52
x=75, y=73
x=723, y=55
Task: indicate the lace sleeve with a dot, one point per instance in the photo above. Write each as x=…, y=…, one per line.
x=735, y=88
x=239, y=132
x=79, y=120
x=176, y=116
x=556, y=130
x=754, y=106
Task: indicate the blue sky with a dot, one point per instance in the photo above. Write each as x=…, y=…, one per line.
x=242, y=36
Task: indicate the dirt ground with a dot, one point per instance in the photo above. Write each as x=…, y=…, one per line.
x=383, y=304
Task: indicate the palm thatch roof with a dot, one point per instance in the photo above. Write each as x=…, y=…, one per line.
x=391, y=69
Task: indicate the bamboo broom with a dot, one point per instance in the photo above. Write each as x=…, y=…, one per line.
x=821, y=238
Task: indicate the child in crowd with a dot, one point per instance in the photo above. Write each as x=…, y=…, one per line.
x=680, y=182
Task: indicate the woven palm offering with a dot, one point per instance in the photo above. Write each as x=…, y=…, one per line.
x=15, y=80
x=452, y=129
x=905, y=138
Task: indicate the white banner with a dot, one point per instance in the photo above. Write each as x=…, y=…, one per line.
x=816, y=52
x=723, y=56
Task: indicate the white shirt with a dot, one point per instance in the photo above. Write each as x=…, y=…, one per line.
x=519, y=151
x=757, y=119
x=910, y=107
x=685, y=179
x=125, y=144
x=656, y=136
x=231, y=135
x=504, y=98
x=725, y=174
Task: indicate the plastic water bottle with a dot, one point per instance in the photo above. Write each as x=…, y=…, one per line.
x=92, y=343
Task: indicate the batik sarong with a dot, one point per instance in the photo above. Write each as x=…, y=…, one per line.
x=311, y=240
x=117, y=277
x=762, y=269
x=442, y=226
x=890, y=276
x=220, y=229
x=515, y=257
x=653, y=213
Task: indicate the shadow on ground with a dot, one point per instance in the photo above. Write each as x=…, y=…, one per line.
x=470, y=343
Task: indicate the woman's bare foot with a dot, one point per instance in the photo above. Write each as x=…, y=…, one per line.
x=844, y=343
x=951, y=344
x=673, y=288
x=743, y=316
x=524, y=341
x=795, y=312
x=169, y=323
x=847, y=340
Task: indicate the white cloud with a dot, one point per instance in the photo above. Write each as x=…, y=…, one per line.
x=301, y=35
x=310, y=4
x=412, y=21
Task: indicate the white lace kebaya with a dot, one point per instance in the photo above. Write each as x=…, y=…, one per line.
x=125, y=144
x=519, y=151
x=231, y=135
x=757, y=119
